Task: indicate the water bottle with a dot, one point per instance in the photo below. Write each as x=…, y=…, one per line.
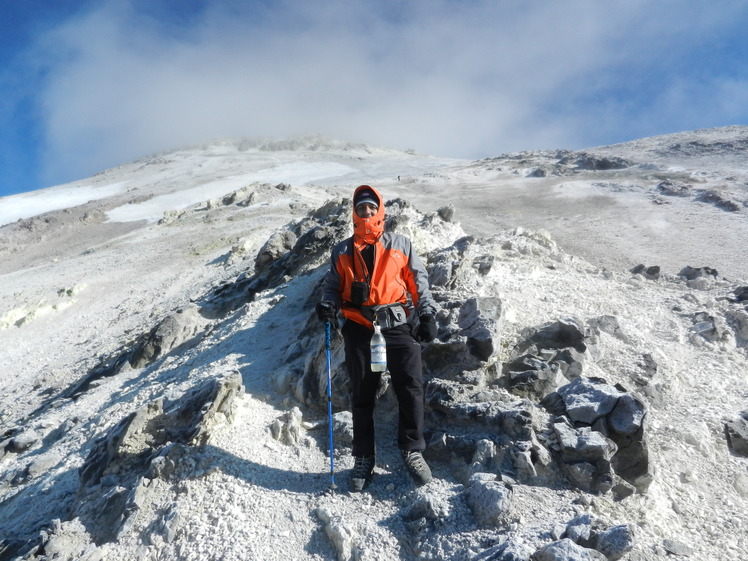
x=378, y=351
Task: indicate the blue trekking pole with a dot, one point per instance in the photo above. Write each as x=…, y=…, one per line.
x=329, y=403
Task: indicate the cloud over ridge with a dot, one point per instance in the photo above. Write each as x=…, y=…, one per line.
x=123, y=79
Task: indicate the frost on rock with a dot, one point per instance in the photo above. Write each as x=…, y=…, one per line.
x=340, y=534
x=152, y=443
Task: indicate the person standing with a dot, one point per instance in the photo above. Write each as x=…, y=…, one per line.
x=376, y=277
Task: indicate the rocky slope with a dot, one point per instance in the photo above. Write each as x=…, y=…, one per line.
x=164, y=379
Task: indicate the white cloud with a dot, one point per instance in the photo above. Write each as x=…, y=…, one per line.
x=447, y=78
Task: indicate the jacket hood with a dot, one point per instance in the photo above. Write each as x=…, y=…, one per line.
x=368, y=230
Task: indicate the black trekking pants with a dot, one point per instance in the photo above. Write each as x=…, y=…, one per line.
x=406, y=373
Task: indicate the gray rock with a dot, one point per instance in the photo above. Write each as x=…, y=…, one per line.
x=530, y=376
x=567, y=550
x=651, y=273
x=677, y=548
x=558, y=335
x=243, y=197
x=480, y=321
x=608, y=324
x=478, y=407
x=737, y=434
x=177, y=329
x=569, y=361
x=627, y=417
x=590, y=402
x=631, y=461
x=452, y=359
x=622, y=490
x=615, y=542
x=446, y=447
x=342, y=426
x=40, y=466
x=521, y=455
x=23, y=442
x=510, y=550
x=674, y=188
x=446, y=213
x=593, y=162
x=483, y=457
x=692, y=273
x=288, y=429
x=587, y=400
x=490, y=501
x=739, y=322
x=707, y=326
x=719, y=200
x=740, y=484
x=277, y=245
x=585, y=456
x=440, y=274
x=579, y=529
x=341, y=535
x=483, y=264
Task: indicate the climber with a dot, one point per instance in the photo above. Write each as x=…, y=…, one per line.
x=377, y=277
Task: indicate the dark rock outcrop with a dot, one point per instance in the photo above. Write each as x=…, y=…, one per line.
x=736, y=432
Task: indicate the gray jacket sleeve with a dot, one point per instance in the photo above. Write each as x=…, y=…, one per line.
x=331, y=282
x=426, y=303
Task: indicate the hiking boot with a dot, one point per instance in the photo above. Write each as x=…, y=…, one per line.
x=361, y=473
x=417, y=466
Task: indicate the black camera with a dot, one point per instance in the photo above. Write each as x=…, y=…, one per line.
x=359, y=293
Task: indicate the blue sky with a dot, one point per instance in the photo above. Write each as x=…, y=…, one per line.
x=87, y=85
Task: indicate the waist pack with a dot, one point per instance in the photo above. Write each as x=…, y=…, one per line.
x=387, y=315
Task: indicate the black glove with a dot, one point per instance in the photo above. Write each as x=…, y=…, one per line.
x=428, y=328
x=328, y=311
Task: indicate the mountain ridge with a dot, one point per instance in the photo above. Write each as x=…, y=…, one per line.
x=105, y=336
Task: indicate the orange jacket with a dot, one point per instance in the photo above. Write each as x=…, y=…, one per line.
x=399, y=275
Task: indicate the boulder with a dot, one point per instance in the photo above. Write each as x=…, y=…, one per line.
x=588, y=399
x=532, y=377
x=567, y=550
x=288, y=427
x=490, y=501
x=674, y=188
x=627, y=417
x=278, y=244
x=615, y=542
x=510, y=550
x=342, y=536
x=620, y=416
x=586, y=457
x=579, y=529
x=651, y=273
x=719, y=200
x=180, y=328
x=610, y=325
x=560, y=334
x=692, y=273
x=709, y=327
x=677, y=548
x=736, y=432
x=480, y=321
x=446, y=213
